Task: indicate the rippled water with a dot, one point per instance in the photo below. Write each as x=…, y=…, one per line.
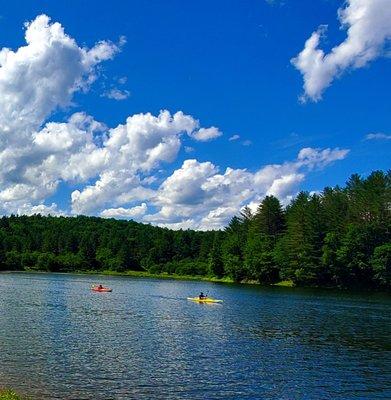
x=59, y=340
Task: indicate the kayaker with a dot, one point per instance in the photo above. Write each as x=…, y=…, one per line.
x=100, y=287
x=202, y=296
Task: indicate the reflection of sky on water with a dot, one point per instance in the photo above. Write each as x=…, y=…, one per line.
x=58, y=340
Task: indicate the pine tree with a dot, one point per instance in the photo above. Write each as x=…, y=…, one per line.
x=215, y=262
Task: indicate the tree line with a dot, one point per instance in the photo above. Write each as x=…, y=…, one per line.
x=339, y=237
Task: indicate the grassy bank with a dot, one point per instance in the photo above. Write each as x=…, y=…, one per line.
x=285, y=284
x=146, y=274
x=7, y=394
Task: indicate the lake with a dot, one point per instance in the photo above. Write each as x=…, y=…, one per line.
x=59, y=340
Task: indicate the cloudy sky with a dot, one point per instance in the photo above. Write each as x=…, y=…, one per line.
x=179, y=113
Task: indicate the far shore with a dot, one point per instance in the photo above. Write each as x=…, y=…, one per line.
x=196, y=278
x=146, y=274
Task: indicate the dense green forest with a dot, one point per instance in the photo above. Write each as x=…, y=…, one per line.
x=339, y=237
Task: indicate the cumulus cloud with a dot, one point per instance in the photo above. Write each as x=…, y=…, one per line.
x=368, y=24
x=184, y=186
x=126, y=213
x=206, y=134
x=284, y=186
x=117, y=170
x=29, y=209
x=42, y=76
x=185, y=224
x=218, y=218
x=35, y=80
x=137, y=147
x=377, y=136
x=35, y=155
x=199, y=192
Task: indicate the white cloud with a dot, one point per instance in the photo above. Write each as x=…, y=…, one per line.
x=28, y=209
x=184, y=186
x=234, y=137
x=318, y=158
x=199, y=192
x=36, y=155
x=185, y=224
x=189, y=149
x=246, y=142
x=377, y=136
x=35, y=80
x=117, y=170
x=139, y=146
x=368, y=24
x=121, y=212
x=41, y=77
x=206, y=134
x=218, y=218
x=284, y=186
x=110, y=185
x=116, y=94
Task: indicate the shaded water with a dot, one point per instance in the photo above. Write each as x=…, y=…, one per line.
x=59, y=340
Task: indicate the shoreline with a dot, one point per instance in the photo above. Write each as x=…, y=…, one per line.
x=146, y=275
x=286, y=284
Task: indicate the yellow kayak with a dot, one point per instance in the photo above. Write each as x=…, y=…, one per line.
x=204, y=300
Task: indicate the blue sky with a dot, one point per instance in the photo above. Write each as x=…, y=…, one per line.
x=227, y=64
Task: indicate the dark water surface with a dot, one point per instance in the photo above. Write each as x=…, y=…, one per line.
x=59, y=340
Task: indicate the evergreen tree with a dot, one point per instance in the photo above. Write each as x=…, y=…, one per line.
x=381, y=264
x=340, y=237
x=269, y=219
x=215, y=265
x=265, y=228
x=299, y=252
x=233, y=249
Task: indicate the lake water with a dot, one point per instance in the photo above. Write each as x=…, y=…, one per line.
x=59, y=340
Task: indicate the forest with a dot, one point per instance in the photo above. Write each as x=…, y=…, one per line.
x=340, y=237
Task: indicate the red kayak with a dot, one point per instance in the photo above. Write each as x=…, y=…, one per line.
x=101, y=289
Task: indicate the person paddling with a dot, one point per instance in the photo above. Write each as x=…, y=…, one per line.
x=202, y=296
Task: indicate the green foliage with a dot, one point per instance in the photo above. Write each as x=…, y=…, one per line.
x=259, y=259
x=68, y=262
x=235, y=267
x=297, y=252
x=269, y=219
x=8, y=394
x=63, y=244
x=183, y=267
x=381, y=264
x=330, y=262
x=215, y=262
x=340, y=237
x=265, y=228
x=233, y=248
x=13, y=260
